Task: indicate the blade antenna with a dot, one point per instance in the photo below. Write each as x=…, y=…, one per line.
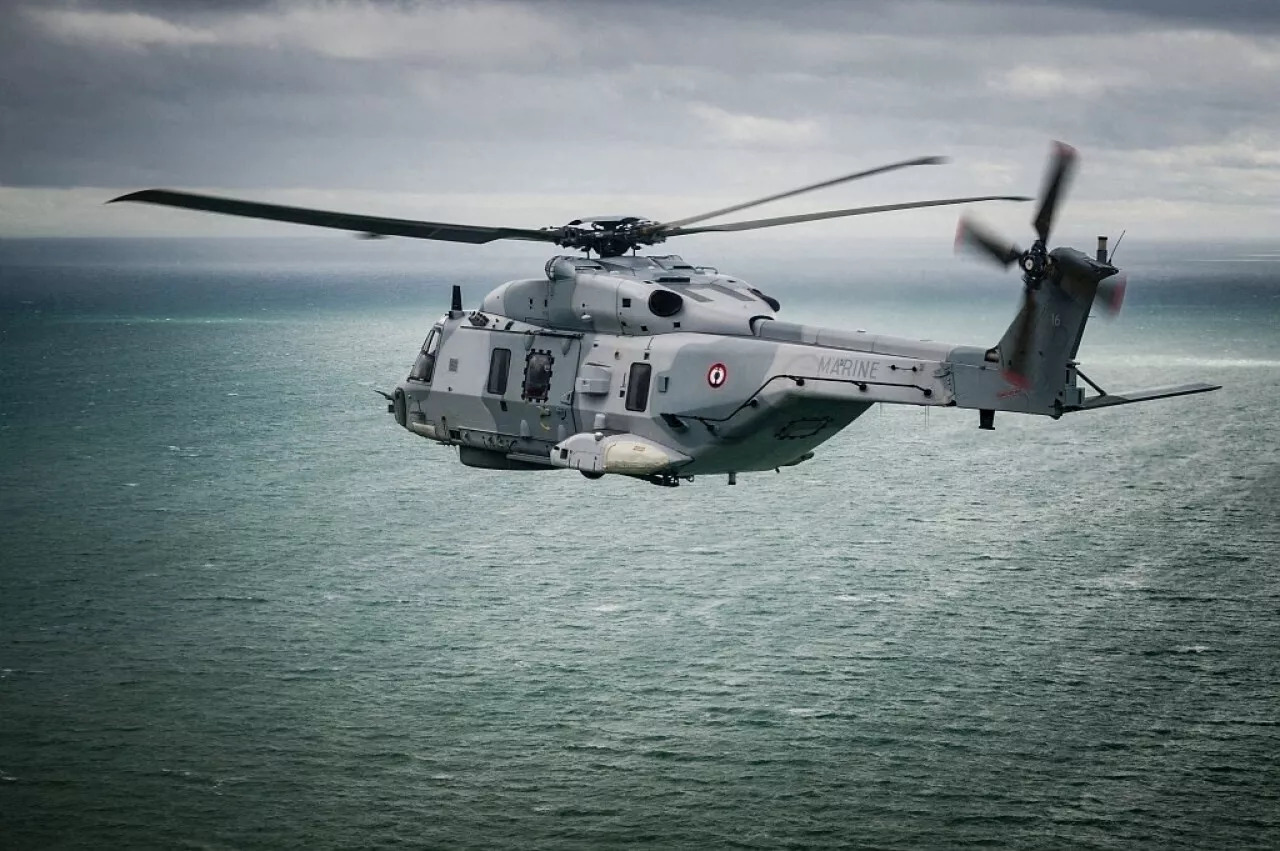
x=1116, y=247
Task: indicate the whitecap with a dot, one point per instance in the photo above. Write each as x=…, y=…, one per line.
x=1204, y=362
x=807, y=712
x=606, y=608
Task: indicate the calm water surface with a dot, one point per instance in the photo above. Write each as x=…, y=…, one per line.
x=239, y=608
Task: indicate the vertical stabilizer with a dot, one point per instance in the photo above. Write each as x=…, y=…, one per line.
x=1040, y=344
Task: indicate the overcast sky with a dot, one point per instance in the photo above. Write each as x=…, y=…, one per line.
x=531, y=114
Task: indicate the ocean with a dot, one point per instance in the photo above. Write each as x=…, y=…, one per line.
x=240, y=608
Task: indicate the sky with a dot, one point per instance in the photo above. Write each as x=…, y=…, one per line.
x=530, y=114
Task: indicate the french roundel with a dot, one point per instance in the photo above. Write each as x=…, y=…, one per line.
x=717, y=375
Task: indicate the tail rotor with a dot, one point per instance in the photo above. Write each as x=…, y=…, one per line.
x=1038, y=264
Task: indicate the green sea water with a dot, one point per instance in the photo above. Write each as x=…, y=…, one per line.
x=240, y=608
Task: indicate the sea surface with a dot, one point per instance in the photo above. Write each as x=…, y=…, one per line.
x=240, y=608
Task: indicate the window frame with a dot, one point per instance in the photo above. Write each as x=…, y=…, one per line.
x=424, y=366
x=499, y=376
x=639, y=376
x=528, y=364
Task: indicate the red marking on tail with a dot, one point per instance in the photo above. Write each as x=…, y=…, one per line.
x=1016, y=379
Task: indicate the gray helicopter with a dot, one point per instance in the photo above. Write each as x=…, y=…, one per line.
x=655, y=368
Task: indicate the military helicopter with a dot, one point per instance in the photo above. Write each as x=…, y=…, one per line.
x=655, y=368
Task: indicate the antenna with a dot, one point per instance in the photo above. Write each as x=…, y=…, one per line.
x=1112, y=259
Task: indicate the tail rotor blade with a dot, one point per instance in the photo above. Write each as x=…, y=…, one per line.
x=1057, y=180
x=970, y=235
x=1016, y=370
x=1111, y=293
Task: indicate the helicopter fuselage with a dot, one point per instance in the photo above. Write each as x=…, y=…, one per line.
x=651, y=367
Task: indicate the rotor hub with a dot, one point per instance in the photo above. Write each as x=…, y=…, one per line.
x=1035, y=263
x=609, y=236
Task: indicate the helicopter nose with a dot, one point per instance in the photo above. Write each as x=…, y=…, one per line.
x=415, y=420
x=400, y=408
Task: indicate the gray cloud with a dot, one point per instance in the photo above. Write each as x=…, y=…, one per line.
x=1246, y=15
x=503, y=105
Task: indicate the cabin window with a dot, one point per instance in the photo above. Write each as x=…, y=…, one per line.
x=499, y=366
x=638, y=386
x=425, y=365
x=537, y=376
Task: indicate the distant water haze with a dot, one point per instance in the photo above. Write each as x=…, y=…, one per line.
x=240, y=608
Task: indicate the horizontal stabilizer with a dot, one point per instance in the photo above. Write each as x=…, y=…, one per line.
x=1110, y=399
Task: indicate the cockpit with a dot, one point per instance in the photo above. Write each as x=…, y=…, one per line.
x=425, y=365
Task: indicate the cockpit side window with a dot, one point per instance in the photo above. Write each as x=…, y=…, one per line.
x=425, y=366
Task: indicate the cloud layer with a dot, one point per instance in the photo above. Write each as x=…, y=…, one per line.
x=460, y=110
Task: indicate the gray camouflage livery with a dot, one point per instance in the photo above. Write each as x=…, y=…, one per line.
x=653, y=368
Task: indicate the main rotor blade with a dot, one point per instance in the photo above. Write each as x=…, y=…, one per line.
x=1056, y=181
x=970, y=235
x=666, y=226
x=341, y=221
x=835, y=214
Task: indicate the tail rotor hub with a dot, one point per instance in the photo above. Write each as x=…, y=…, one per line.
x=1035, y=264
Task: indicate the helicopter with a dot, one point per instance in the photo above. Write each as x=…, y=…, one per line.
x=651, y=367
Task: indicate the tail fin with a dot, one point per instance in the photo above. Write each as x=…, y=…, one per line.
x=1037, y=351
